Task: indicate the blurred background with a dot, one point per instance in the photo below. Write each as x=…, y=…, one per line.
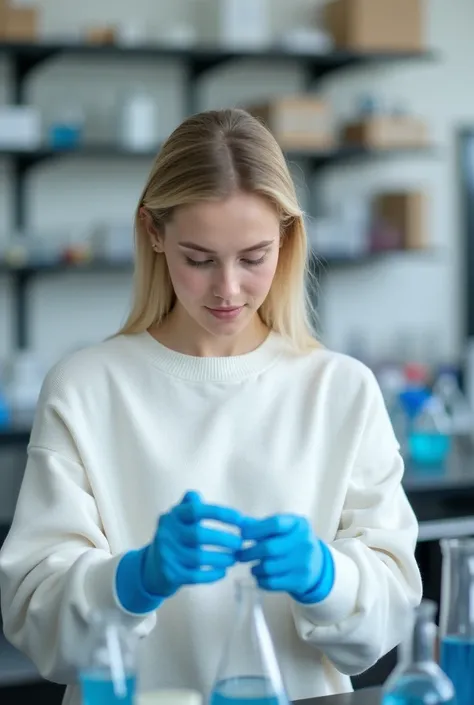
x=371, y=102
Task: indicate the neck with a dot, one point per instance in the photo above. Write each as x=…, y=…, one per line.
x=181, y=334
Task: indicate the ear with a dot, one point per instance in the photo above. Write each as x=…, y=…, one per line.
x=154, y=233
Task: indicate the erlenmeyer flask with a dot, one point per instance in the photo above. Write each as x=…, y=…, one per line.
x=457, y=616
x=417, y=679
x=249, y=673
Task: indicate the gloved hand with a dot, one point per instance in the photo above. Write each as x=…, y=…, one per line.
x=289, y=557
x=183, y=549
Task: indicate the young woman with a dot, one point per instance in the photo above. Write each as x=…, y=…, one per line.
x=213, y=436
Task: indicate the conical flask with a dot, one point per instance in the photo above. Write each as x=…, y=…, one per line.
x=249, y=673
x=417, y=678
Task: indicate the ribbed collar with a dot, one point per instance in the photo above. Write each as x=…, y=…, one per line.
x=212, y=369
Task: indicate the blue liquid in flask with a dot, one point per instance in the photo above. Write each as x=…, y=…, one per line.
x=415, y=690
x=98, y=689
x=457, y=661
x=246, y=690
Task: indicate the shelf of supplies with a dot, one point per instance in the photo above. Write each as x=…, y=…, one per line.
x=200, y=58
x=315, y=159
x=346, y=154
x=58, y=267
x=30, y=269
x=25, y=57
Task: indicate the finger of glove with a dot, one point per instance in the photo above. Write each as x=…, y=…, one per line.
x=282, y=583
x=191, y=497
x=281, y=566
x=203, y=577
x=195, y=558
x=194, y=512
x=199, y=535
x=278, y=547
x=258, y=529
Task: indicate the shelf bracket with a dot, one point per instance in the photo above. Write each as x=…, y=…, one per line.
x=20, y=319
x=22, y=65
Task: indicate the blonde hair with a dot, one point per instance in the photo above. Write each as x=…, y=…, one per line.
x=210, y=156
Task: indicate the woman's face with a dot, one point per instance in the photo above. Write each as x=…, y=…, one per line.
x=222, y=257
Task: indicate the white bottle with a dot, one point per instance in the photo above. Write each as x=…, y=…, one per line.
x=138, y=122
x=23, y=387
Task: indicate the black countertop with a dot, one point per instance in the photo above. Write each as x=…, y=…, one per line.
x=365, y=696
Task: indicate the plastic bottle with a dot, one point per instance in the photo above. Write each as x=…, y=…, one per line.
x=416, y=389
x=429, y=438
x=447, y=389
x=417, y=679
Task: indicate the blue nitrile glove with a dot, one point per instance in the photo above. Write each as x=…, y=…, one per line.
x=288, y=557
x=183, y=552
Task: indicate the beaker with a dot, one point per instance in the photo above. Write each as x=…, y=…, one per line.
x=249, y=673
x=107, y=673
x=457, y=616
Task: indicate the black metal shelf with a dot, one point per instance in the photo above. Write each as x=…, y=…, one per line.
x=315, y=159
x=25, y=58
x=31, y=269
x=199, y=58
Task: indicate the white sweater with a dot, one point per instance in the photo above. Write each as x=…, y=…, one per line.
x=124, y=428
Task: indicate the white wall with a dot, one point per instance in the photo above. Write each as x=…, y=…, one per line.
x=386, y=300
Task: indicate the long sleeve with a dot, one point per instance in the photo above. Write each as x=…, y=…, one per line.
x=56, y=565
x=377, y=581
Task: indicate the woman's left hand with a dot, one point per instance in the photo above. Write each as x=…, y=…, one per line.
x=288, y=556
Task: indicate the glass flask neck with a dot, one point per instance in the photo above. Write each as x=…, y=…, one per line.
x=419, y=647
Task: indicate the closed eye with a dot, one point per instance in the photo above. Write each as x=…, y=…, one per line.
x=209, y=262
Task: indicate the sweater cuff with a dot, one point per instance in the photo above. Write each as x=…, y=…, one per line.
x=341, y=601
x=325, y=583
x=129, y=586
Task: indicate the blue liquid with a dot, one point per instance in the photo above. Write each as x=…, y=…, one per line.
x=246, y=690
x=419, y=689
x=98, y=689
x=457, y=661
x=428, y=448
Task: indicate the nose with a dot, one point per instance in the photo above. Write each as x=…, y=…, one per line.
x=226, y=285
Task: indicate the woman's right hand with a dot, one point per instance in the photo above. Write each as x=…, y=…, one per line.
x=186, y=552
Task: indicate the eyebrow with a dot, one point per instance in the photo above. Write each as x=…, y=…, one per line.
x=198, y=248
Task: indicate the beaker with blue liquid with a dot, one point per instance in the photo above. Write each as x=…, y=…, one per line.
x=249, y=673
x=457, y=616
x=107, y=673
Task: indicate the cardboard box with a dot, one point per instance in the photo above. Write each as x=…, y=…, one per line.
x=18, y=23
x=407, y=213
x=376, y=25
x=299, y=122
x=101, y=35
x=387, y=132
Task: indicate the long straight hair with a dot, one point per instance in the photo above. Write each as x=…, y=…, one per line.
x=210, y=156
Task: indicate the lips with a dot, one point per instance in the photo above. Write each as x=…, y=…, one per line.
x=225, y=313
